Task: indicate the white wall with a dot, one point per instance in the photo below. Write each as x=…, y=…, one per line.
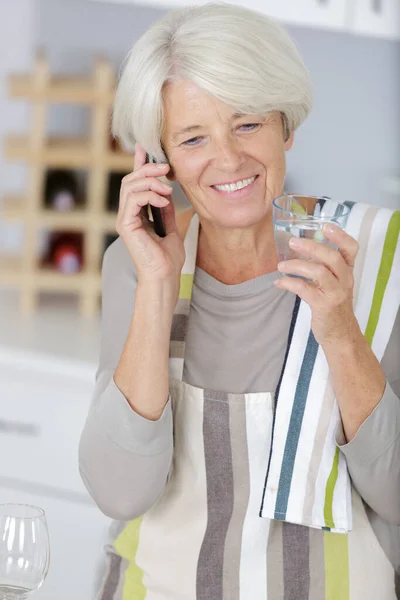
x=350, y=144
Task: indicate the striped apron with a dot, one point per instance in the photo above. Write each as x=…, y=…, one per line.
x=204, y=539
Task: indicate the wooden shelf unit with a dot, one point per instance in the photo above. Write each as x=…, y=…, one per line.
x=94, y=154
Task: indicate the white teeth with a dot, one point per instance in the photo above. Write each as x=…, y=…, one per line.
x=233, y=187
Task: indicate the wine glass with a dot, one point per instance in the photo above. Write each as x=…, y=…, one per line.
x=24, y=550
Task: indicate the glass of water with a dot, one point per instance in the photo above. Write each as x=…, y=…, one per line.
x=24, y=550
x=304, y=217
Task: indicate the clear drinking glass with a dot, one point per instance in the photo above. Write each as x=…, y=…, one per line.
x=24, y=550
x=304, y=217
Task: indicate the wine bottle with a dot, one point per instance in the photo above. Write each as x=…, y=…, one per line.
x=61, y=190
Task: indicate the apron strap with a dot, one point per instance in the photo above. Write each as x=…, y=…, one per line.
x=181, y=315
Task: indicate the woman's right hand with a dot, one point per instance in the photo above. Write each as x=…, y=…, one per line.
x=155, y=258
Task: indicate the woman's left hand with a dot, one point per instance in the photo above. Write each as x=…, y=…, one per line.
x=330, y=295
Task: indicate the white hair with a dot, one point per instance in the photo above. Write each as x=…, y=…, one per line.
x=239, y=56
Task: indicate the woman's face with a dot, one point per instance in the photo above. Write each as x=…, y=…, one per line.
x=209, y=146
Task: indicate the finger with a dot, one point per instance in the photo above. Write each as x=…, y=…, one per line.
x=318, y=273
x=139, y=224
x=306, y=291
x=148, y=183
x=147, y=170
x=168, y=215
x=131, y=224
x=133, y=206
x=348, y=246
x=321, y=253
x=142, y=185
x=140, y=157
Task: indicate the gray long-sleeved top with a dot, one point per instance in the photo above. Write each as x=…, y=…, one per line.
x=236, y=343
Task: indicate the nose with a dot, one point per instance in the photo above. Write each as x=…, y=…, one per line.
x=228, y=155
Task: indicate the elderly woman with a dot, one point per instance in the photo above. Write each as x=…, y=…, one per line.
x=196, y=329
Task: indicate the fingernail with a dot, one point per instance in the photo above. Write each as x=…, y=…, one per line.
x=328, y=228
x=295, y=242
x=162, y=165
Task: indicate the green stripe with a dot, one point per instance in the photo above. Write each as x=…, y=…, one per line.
x=126, y=546
x=185, y=291
x=337, y=578
x=389, y=249
x=329, y=491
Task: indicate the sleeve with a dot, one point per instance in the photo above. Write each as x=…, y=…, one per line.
x=124, y=459
x=373, y=455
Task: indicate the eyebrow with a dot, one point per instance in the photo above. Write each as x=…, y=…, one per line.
x=191, y=128
x=185, y=130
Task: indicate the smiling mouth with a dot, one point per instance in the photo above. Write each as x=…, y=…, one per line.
x=234, y=187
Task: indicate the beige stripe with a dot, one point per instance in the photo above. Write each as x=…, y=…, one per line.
x=241, y=492
x=371, y=574
x=363, y=238
x=316, y=456
x=329, y=395
x=317, y=565
x=168, y=561
x=275, y=561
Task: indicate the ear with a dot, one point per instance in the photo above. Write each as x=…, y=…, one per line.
x=289, y=142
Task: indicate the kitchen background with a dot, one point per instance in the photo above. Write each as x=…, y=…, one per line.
x=50, y=255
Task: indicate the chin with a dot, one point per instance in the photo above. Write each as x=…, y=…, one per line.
x=241, y=217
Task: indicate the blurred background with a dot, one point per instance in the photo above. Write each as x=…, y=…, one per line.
x=59, y=186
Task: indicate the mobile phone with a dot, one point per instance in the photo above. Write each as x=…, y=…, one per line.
x=155, y=210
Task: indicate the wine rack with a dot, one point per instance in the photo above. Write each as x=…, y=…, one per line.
x=93, y=153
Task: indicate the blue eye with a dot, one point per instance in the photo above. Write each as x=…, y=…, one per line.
x=249, y=126
x=192, y=142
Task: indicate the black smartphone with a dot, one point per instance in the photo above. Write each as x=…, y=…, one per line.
x=155, y=211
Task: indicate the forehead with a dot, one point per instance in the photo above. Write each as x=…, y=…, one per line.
x=185, y=102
